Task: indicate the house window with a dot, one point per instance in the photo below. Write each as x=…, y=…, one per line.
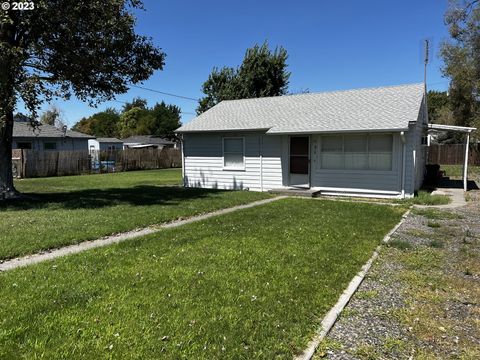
x=332, y=152
x=234, y=153
x=50, y=146
x=380, y=152
x=357, y=152
x=24, y=145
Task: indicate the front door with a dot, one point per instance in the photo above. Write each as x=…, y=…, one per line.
x=299, y=161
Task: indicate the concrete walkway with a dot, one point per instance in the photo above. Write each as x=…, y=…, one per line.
x=87, y=245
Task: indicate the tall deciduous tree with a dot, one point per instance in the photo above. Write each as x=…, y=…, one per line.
x=438, y=103
x=262, y=73
x=67, y=47
x=461, y=55
x=161, y=120
x=101, y=124
x=53, y=116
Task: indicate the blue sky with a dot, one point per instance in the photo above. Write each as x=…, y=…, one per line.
x=331, y=44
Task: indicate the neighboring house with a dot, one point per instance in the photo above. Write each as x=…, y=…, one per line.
x=105, y=144
x=365, y=142
x=147, y=141
x=47, y=137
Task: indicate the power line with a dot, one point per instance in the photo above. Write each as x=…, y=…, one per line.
x=164, y=93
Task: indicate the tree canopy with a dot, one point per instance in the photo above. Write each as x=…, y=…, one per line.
x=262, y=73
x=67, y=47
x=53, y=116
x=100, y=124
x=136, y=118
x=461, y=56
x=438, y=107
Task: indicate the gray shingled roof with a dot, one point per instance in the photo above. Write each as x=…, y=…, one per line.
x=383, y=108
x=23, y=129
x=109, y=140
x=147, y=139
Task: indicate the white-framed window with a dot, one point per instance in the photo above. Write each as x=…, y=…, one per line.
x=234, y=153
x=357, y=152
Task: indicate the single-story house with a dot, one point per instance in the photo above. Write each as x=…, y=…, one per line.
x=147, y=141
x=47, y=137
x=363, y=142
x=105, y=144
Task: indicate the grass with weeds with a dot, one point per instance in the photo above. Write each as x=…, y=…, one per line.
x=435, y=214
x=72, y=209
x=432, y=224
x=436, y=243
x=400, y=244
x=426, y=198
x=366, y=294
x=251, y=284
x=437, y=281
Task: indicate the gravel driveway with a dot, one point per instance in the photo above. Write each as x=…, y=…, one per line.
x=421, y=299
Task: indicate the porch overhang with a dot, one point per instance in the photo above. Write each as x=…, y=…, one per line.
x=458, y=129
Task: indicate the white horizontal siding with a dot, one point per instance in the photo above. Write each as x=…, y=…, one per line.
x=203, y=162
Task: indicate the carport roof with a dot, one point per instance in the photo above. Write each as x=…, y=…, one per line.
x=462, y=129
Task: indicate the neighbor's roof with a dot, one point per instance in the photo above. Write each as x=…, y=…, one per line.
x=109, y=140
x=383, y=108
x=24, y=129
x=147, y=139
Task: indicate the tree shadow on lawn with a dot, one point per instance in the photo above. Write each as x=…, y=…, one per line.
x=143, y=195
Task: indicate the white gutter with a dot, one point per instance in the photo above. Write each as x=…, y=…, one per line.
x=261, y=163
x=305, y=132
x=404, y=150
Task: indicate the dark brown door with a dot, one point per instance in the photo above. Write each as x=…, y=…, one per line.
x=299, y=160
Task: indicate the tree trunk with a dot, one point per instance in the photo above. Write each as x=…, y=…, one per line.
x=7, y=106
x=7, y=190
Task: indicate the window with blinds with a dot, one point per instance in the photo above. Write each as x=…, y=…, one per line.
x=233, y=153
x=357, y=152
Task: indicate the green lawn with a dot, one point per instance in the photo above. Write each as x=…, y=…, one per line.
x=456, y=171
x=67, y=210
x=100, y=181
x=250, y=284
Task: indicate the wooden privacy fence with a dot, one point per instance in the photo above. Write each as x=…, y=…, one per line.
x=453, y=154
x=31, y=163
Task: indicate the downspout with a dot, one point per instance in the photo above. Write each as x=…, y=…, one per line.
x=404, y=151
x=261, y=163
x=183, y=160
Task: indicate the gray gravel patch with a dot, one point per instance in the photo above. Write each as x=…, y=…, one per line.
x=371, y=326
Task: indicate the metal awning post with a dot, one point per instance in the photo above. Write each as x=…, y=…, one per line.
x=460, y=129
x=465, y=166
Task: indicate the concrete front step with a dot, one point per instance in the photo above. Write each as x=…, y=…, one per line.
x=296, y=192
